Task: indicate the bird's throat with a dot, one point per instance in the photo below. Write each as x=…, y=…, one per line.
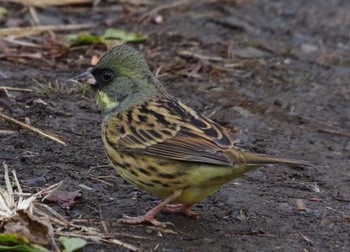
x=105, y=102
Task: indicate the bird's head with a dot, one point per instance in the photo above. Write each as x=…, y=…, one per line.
x=120, y=79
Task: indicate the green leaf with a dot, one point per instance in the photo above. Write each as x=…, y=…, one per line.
x=3, y=12
x=110, y=37
x=23, y=248
x=72, y=244
x=12, y=239
x=123, y=36
x=82, y=38
x=17, y=243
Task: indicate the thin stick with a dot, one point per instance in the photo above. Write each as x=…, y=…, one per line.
x=29, y=31
x=34, y=15
x=10, y=205
x=199, y=56
x=19, y=188
x=100, y=180
x=41, y=3
x=31, y=128
x=123, y=244
x=16, y=89
x=7, y=132
x=326, y=128
x=58, y=219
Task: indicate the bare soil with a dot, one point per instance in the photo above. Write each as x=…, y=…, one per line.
x=277, y=72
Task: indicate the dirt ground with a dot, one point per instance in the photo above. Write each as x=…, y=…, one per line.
x=276, y=71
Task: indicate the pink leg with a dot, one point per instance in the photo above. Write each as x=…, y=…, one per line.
x=181, y=208
x=149, y=216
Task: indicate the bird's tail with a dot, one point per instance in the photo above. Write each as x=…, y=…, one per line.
x=251, y=158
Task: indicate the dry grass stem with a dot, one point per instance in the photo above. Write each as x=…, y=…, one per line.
x=42, y=3
x=34, y=15
x=12, y=40
x=199, y=56
x=19, y=32
x=7, y=132
x=100, y=180
x=33, y=129
x=58, y=219
x=16, y=89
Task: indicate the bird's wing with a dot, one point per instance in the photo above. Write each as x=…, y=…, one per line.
x=167, y=128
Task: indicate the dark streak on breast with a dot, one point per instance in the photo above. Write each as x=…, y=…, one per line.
x=168, y=175
x=140, y=169
x=145, y=183
x=152, y=169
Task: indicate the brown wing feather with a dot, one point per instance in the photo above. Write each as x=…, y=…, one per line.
x=167, y=128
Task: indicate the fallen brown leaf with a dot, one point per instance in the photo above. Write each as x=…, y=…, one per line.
x=63, y=198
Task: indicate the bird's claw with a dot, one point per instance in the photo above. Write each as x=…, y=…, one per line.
x=181, y=208
x=144, y=219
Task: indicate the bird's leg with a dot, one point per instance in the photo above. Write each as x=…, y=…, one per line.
x=181, y=208
x=149, y=216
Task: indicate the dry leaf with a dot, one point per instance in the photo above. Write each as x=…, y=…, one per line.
x=37, y=230
x=301, y=205
x=63, y=198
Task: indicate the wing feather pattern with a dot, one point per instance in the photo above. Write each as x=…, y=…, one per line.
x=167, y=128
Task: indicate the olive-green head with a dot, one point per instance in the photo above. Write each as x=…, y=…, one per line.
x=121, y=79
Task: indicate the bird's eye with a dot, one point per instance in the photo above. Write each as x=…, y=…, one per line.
x=107, y=75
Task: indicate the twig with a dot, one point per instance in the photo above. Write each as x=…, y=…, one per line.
x=12, y=40
x=30, y=31
x=102, y=220
x=27, y=55
x=339, y=132
x=199, y=56
x=41, y=3
x=19, y=188
x=7, y=132
x=100, y=180
x=10, y=201
x=16, y=89
x=57, y=218
x=34, y=15
x=123, y=244
x=31, y=128
x=323, y=127
x=337, y=211
x=49, y=190
x=308, y=240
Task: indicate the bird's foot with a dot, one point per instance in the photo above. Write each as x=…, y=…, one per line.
x=144, y=219
x=149, y=216
x=181, y=208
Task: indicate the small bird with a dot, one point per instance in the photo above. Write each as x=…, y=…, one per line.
x=159, y=144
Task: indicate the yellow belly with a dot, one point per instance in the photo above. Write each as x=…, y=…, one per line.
x=163, y=177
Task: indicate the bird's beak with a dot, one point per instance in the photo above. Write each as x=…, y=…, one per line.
x=85, y=77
